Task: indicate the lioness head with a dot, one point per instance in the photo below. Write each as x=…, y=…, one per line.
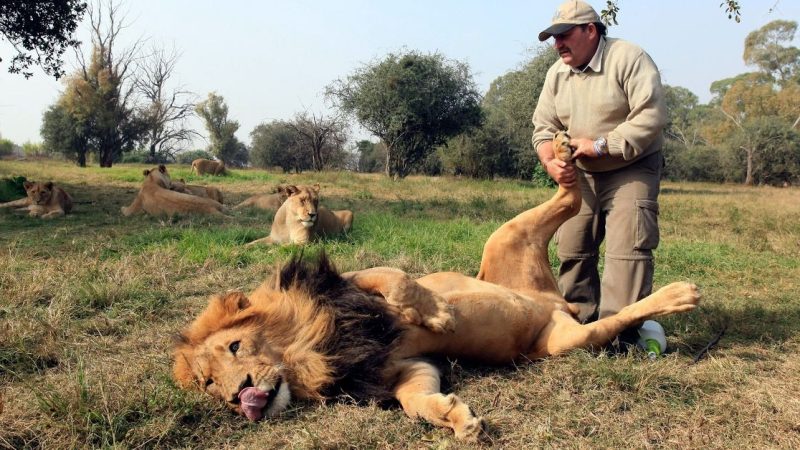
x=159, y=176
x=39, y=193
x=561, y=147
x=302, y=202
x=225, y=354
x=178, y=185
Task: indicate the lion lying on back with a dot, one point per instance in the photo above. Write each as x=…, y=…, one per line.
x=43, y=199
x=301, y=218
x=312, y=333
x=156, y=198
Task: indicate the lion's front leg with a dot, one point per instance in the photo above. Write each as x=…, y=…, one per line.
x=36, y=211
x=134, y=208
x=53, y=214
x=418, y=391
x=416, y=304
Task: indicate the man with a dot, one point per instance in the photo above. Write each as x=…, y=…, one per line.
x=607, y=94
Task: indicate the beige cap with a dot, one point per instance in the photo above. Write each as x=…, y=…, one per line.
x=569, y=14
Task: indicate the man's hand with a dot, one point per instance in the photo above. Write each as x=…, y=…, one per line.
x=583, y=148
x=563, y=172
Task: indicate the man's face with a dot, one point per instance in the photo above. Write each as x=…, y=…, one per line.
x=577, y=46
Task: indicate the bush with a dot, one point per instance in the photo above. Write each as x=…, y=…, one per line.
x=694, y=163
x=541, y=177
x=6, y=147
x=33, y=149
x=136, y=156
x=11, y=188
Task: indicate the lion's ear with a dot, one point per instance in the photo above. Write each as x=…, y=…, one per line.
x=146, y=172
x=49, y=185
x=162, y=168
x=315, y=186
x=27, y=185
x=233, y=302
x=292, y=189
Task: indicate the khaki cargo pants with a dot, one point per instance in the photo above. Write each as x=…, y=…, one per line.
x=622, y=207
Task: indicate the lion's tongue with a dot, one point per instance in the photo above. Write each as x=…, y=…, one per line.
x=253, y=401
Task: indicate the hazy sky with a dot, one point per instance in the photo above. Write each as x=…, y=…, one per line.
x=271, y=59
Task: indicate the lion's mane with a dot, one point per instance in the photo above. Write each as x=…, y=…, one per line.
x=335, y=339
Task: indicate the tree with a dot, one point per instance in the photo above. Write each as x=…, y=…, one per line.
x=166, y=111
x=371, y=156
x=746, y=98
x=479, y=153
x=413, y=102
x=763, y=48
x=509, y=104
x=686, y=151
x=773, y=151
x=324, y=138
x=64, y=133
x=278, y=144
x=221, y=131
x=683, y=111
x=40, y=32
x=100, y=93
x=752, y=104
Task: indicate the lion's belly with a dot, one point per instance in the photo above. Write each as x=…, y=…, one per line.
x=494, y=326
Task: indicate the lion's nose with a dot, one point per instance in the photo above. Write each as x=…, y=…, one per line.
x=248, y=382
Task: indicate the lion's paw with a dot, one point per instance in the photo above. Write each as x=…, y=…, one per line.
x=561, y=147
x=471, y=430
x=443, y=320
x=420, y=306
x=675, y=298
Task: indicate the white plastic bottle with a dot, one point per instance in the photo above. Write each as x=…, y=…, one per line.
x=652, y=339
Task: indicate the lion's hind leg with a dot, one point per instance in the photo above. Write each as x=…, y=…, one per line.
x=416, y=304
x=418, y=391
x=564, y=333
x=245, y=203
x=24, y=201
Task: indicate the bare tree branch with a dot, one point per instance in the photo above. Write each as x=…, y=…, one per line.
x=166, y=111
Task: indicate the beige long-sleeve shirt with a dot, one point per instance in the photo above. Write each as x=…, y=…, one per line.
x=619, y=96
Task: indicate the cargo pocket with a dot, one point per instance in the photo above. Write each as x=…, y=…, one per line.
x=646, y=225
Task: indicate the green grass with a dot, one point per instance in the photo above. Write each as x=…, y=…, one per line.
x=90, y=304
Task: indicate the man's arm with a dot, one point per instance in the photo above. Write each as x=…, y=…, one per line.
x=648, y=112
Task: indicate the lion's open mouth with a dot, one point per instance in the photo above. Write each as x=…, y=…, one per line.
x=255, y=401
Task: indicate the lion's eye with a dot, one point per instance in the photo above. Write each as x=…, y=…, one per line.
x=234, y=347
